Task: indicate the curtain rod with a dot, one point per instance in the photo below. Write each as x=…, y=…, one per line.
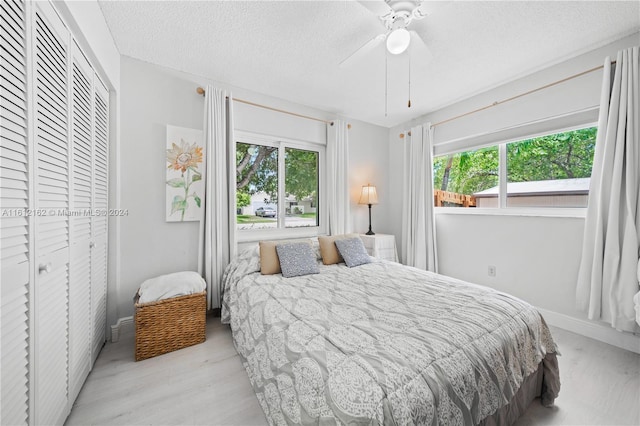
x=546, y=86
x=201, y=91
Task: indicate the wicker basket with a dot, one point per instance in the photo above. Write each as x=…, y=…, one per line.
x=170, y=324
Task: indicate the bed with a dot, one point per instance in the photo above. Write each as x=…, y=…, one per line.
x=384, y=343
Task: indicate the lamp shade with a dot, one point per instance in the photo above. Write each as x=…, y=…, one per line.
x=369, y=195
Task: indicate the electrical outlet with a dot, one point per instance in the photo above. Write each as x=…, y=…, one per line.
x=491, y=271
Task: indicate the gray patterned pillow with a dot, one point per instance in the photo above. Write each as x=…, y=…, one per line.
x=353, y=252
x=297, y=259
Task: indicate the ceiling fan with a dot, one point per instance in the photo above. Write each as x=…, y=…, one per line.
x=396, y=16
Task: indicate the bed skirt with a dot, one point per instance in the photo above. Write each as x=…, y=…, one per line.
x=531, y=388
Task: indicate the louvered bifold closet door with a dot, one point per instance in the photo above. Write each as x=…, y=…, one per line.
x=52, y=227
x=80, y=223
x=100, y=219
x=14, y=227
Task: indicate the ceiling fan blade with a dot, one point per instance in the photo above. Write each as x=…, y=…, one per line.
x=378, y=7
x=421, y=11
x=364, y=50
x=418, y=47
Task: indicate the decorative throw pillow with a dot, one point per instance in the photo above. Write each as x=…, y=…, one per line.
x=328, y=250
x=269, y=263
x=297, y=259
x=353, y=252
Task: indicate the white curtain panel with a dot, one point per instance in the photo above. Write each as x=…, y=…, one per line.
x=607, y=280
x=218, y=244
x=338, y=202
x=418, y=221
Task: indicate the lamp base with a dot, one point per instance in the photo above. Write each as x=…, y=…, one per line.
x=370, y=231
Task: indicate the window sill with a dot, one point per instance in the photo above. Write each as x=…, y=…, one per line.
x=247, y=236
x=578, y=212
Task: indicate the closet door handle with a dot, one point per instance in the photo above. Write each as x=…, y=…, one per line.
x=44, y=268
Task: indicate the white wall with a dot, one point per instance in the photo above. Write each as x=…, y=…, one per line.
x=369, y=163
x=148, y=245
x=577, y=94
x=152, y=97
x=537, y=258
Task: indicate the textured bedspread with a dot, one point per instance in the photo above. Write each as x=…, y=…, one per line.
x=380, y=344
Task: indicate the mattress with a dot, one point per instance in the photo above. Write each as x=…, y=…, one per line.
x=384, y=343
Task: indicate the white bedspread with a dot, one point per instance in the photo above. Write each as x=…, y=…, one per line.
x=382, y=344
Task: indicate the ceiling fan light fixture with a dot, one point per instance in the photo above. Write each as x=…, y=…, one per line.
x=398, y=41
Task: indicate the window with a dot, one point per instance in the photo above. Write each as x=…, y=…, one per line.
x=256, y=186
x=301, y=188
x=546, y=171
x=458, y=176
x=277, y=184
x=551, y=171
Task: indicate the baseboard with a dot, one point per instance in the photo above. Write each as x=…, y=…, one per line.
x=119, y=326
x=593, y=330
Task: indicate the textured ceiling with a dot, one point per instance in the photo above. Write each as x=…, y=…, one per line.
x=292, y=49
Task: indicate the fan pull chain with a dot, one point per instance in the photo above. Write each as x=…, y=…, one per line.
x=409, y=103
x=386, y=84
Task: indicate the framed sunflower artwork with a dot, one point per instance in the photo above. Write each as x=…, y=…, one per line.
x=185, y=174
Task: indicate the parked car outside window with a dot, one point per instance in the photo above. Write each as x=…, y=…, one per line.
x=266, y=212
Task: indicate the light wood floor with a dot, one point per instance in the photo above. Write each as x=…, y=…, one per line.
x=207, y=385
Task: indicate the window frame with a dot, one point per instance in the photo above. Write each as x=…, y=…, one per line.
x=251, y=235
x=503, y=209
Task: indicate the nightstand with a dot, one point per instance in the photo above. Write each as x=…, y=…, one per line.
x=382, y=246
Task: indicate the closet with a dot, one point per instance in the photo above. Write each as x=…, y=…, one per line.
x=53, y=214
